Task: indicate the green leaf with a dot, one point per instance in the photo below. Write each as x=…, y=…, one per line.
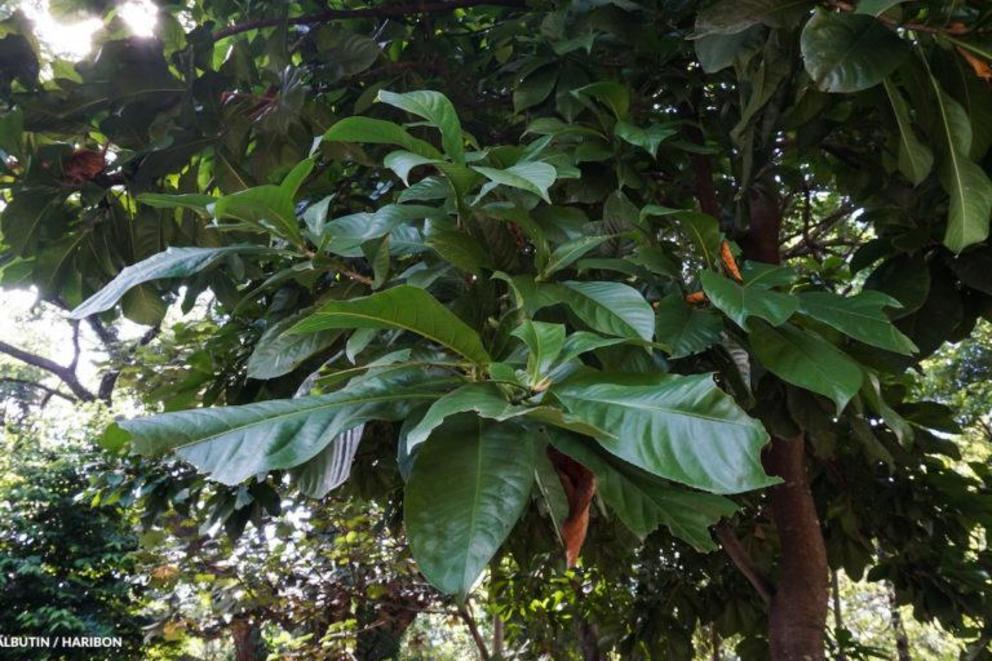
x=269, y=207
x=581, y=342
x=860, y=317
x=535, y=88
x=905, y=278
x=733, y=16
x=192, y=201
x=143, y=305
x=613, y=95
x=719, y=51
x=644, y=503
x=545, y=342
x=964, y=180
x=172, y=263
x=381, y=132
x=278, y=352
x=436, y=109
x=533, y=176
x=684, y=329
x=330, y=467
x=876, y=7
x=742, y=301
x=803, y=359
x=611, y=308
x=470, y=483
x=915, y=158
x=401, y=162
x=567, y=253
x=648, y=139
x=484, y=399
x=704, y=232
x=681, y=428
x=460, y=249
x=404, y=307
x=846, y=52
x=237, y=442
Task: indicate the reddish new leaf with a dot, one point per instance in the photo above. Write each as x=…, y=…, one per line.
x=579, y=484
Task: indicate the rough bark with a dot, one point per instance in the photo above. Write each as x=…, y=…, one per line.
x=902, y=640
x=247, y=640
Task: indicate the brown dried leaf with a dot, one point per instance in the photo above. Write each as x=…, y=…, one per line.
x=980, y=66
x=579, y=484
x=729, y=263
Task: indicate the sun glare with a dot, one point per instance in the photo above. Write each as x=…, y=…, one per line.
x=74, y=40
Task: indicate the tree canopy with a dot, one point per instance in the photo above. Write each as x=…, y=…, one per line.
x=631, y=297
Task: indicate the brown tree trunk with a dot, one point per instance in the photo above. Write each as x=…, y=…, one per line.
x=797, y=615
x=798, y=612
x=902, y=640
x=247, y=640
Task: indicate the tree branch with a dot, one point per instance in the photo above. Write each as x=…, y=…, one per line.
x=952, y=28
x=742, y=560
x=66, y=375
x=385, y=11
x=39, y=386
x=474, y=630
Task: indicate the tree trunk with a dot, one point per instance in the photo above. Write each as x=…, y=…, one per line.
x=902, y=640
x=797, y=615
x=798, y=612
x=838, y=615
x=247, y=640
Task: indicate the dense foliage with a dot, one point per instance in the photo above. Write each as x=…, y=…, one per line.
x=681, y=260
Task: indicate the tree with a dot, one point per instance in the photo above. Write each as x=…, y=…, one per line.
x=64, y=565
x=683, y=257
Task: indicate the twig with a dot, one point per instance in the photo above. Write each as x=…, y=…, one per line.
x=473, y=629
x=386, y=11
x=742, y=559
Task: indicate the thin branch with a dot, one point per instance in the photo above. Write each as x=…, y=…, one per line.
x=952, y=28
x=75, y=345
x=473, y=629
x=66, y=375
x=386, y=11
x=742, y=560
x=40, y=386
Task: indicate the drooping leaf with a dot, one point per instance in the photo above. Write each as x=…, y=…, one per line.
x=402, y=161
x=681, y=428
x=192, y=201
x=803, y=359
x=704, y=232
x=567, y=253
x=436, y=109
x=739, y=302
x=648, y=139
x=846, y=52
x=611, y=308
x=861, y=317
x=470, y=483
x=172, y=263
x=404, y=307
x=964, y=180
x=234, y=443
x=331, y=467
x=915, y=158
x=484, y=399
x=579, y=484
x=377, y=131
x=905, y=278
x=643, y=503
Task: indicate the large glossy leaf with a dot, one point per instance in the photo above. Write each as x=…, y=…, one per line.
x=611, y=308
x=681, y=428
x=377, y=131
x=567, y=253
x=905, y=278
x=172, y=263
x=270, y=207
x=278, y=352
x=436, y=109
x=964, y=180
x=915, y=158
x=861, y=316
x=234, y=443
x=642, y=502
x=846, y=52
x=404, y=307
x=739, y=302
x=686, y=330
x=484, y=399
x=733, y=16
x=470, y=483
x=533, y=176
x=803, y=359
x=192, y=201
